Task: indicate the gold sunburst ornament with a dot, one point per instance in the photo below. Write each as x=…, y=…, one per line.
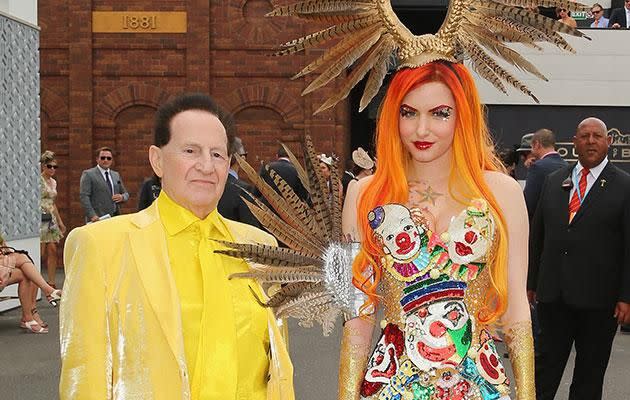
x=372, y=37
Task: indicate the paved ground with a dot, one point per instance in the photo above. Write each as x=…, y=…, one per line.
x=29, y=363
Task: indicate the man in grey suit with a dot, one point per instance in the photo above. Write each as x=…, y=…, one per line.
x=101, y=188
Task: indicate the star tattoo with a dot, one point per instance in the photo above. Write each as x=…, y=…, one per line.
x=429, y=195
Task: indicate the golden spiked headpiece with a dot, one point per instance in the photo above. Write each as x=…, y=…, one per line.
x=372, y=37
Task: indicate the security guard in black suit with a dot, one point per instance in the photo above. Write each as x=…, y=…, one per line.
x=579, y=267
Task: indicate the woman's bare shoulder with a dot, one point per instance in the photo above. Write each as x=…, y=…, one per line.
x=508, y=194
x=502, y=184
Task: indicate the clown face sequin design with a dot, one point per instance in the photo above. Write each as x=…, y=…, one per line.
x=470, y=234
x=384, y=363
x=397, y=231
x=488, y=361
x=438, y=334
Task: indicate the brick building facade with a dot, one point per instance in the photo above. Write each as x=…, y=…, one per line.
x=102, y=89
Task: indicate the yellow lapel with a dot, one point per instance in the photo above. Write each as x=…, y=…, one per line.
x=150, y=253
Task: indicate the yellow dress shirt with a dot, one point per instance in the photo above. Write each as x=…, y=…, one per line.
x=226, y=340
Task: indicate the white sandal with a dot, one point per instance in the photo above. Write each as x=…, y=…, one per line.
x=54, y=297
x=32, y=326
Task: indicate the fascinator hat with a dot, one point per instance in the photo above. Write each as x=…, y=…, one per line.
x=362, y=159
x=369, y=39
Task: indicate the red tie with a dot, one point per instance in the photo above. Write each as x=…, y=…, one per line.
x=574, y=204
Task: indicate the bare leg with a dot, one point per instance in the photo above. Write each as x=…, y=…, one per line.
x=33, y=293
x=51, y=262
x=30, y=272
x=43, y=254
x=24, y=294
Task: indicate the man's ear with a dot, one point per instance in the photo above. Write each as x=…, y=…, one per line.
x=155, y=158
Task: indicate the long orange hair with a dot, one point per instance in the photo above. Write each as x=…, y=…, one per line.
x=473, y=153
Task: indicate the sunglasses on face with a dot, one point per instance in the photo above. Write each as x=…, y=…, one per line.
x=106, y=158
x=50, y=166
x=596, y=11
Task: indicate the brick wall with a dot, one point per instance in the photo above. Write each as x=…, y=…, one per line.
x=102, y=89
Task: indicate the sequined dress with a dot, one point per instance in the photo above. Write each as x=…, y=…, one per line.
x=433, y=345
x=49, y=230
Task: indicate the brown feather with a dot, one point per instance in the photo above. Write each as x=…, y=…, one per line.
x=335, y=209
x=479, y=65
x=569, y=5
x=527, y=17
x=537, y=34
x=282, y=275
x=485, y=38
x=289, y=291
x=483, y=57
x=334, y=32
x=306, y=301
x=320, y=7
x=343, y=62
x=383, y=47
x=300, y=209
x=505, y=30
x=375, y=80
x=335, y=52
x=277, y=227
x=320, y=194
x=276, y=201
x=268, y=255
x=298, y=167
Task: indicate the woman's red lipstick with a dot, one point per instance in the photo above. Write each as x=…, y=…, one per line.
x=423, y=145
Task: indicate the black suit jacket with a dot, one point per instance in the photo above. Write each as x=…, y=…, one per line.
x=618, y=15
x=536, y=175
x=585, y=263
x=232, y=206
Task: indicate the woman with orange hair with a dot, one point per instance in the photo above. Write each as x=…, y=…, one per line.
x=444, y=249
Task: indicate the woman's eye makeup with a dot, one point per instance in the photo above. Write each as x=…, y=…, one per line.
x=407, y=111
x=443, y=112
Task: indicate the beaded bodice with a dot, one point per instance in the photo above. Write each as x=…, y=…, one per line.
x=433, y=288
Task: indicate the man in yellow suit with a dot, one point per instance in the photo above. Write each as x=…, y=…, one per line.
x=149, y=311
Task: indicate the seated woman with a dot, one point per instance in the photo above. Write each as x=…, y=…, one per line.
x=10, y=275
x=22, y=270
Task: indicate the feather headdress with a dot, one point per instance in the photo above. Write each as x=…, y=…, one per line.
x=370, y=36
x=315, y=271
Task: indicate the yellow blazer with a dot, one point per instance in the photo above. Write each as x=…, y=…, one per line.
x=120, y=320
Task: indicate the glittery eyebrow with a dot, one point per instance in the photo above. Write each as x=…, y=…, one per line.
x=439, y=107
x=408, y=106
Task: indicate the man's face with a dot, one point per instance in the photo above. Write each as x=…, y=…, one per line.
x=536, y=149
x=597, y=12
x=105, y=159
x=194, y=164
x=627, y=3
x=591, y=144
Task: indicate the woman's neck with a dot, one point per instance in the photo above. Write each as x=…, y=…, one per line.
x=435, y=171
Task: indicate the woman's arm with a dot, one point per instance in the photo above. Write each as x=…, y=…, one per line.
x=62, y=227
x=357, y=332
x=516, y=319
